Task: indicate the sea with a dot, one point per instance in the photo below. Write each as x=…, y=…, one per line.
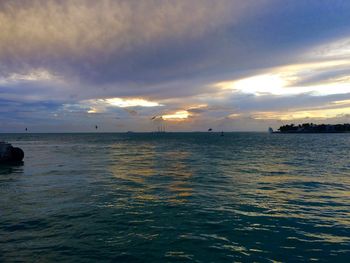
x=176, y=197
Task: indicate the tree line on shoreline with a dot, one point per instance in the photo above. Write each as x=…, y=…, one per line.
x=314, y=128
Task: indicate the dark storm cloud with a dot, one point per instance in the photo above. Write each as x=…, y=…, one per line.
x=161, y=45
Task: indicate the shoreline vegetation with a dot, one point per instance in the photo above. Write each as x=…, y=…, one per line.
x=314, y=128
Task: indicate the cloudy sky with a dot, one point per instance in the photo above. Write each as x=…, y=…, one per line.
x=187, y=65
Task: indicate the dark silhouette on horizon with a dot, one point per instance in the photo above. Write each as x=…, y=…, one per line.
x=314, y=128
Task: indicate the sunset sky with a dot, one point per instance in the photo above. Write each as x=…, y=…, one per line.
x=186, y=64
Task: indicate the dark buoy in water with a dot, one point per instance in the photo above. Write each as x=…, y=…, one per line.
x=10, y=154
x=17, y=154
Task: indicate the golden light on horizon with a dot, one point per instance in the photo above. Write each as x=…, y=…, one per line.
x=179, y=115
x=293, y=80
x=93, y=110
x=234, y=116
x=270, y=83
x=302, y=114
x=341, y=102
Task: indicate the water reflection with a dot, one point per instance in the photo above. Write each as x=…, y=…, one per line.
x=148, y=170
x=133, y=162
x=318, y=202
x=16, y=168
x=10, y=173
x=194, y=197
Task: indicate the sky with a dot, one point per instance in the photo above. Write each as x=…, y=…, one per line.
x=186, y=65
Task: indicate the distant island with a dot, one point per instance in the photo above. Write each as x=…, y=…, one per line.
x=314, y=128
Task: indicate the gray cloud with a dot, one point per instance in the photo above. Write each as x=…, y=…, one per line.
x=167, y=51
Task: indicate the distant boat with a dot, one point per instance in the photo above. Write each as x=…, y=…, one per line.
x=96, y=127
x=210, y=129
x=222, y=133
x=161, y=128
x=270, y=130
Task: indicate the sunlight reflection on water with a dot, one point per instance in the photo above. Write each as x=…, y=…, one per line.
x=165, y=197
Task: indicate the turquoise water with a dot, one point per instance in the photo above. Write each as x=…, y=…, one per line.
x=193, y=197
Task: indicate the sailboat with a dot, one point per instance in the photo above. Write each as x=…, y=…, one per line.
x=161, y=128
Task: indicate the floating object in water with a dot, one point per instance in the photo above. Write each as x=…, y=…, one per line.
x=10, y=154
x=270, y=130
x=210, y=129
x=96, y=127
x=26, y=129
x=222, y=133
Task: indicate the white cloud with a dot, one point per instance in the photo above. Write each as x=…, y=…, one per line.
x=339, y=48
x=133, y=102
x=102, y=105
x=34, y=75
